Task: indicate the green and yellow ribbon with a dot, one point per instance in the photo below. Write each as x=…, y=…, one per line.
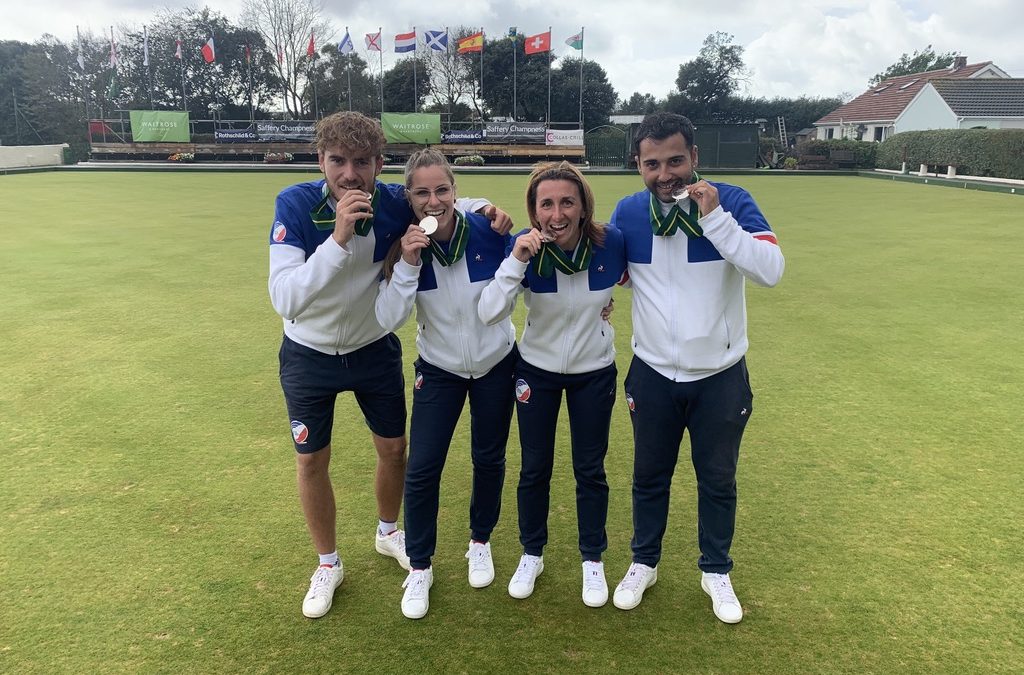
x=324, y=215
x=551, y=257
x=676, y=219
x=456, y=246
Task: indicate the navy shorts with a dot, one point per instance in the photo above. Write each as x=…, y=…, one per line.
x=312, y=380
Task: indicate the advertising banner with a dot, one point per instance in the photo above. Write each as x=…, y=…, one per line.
x=462, y=136
x=244, y=135
x=298, y=131
x=157, y=126
x=419, y=128
x=514, y=132
x=564, y=137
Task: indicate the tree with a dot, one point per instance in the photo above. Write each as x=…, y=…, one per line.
x=598, y=94
x=711, y=78
x=453, y=76
x=638, y=104
x=286, y=27
x=404, y=91
x=918, y=62
x=334, y=71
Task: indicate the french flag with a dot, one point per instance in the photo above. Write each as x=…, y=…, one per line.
x=406, y=42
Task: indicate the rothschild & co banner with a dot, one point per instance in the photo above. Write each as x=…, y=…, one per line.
x=156, y=126
x=419, y=128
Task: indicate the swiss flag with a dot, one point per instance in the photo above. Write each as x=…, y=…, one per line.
x=209, y=54
x=541, y=42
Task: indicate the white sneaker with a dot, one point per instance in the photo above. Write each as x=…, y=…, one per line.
x=723, y=598
x=630, y=590
x=530, y=567
x=481, y=567
x=595, y=588
x=393, y=545
x=416, y=600
x=320, y=596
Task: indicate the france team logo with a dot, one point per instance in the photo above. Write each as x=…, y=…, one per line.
x=630, y=403
x=299, y=432
x=522, y=391
x=280, y=231
x=419, y=381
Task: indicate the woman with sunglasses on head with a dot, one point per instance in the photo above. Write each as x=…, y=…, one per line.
x=441, y=266
x=566, y=267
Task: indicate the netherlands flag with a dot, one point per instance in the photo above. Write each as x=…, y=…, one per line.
x=406, y=42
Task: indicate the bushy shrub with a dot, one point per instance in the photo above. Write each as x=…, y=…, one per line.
x=182, y=157
x=789, y=163
x=864, y=152
x=975, y=152
x=469, y=160
x=278, y=157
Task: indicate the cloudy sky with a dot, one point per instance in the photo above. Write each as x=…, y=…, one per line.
x=793, y=47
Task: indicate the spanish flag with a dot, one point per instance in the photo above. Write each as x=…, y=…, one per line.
x=472, y=43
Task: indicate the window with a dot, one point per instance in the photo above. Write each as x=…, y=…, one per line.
x=830, y=133
x=878, y=134
x=908, y=84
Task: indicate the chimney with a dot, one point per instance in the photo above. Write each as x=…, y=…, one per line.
x=959, y=62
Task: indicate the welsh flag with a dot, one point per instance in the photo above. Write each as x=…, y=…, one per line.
x=575, y=41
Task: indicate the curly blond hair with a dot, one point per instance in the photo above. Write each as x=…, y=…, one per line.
x=354, y=131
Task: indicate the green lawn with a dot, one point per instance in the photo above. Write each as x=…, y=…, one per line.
x=148, y=513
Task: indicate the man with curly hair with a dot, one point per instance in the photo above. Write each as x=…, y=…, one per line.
x=327, y=246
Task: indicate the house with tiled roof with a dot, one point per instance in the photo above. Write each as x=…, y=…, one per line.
x=872, y=115
x=948, y=103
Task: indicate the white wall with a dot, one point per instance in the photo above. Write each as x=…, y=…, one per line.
x=992, y=122
x=19, y=156
x=926, y=111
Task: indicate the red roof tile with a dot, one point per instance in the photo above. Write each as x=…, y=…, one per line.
x=886, y=100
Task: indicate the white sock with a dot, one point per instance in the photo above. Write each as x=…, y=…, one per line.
x=385, y=528
x=331, y=559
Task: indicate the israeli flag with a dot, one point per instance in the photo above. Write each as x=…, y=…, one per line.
x=345, y=46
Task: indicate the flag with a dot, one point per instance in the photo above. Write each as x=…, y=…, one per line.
x=541, y=42
x=311, y=47
x=145, y=46
x=512, y=33
x=280, y=56
x=81, y=56
x=177, y=51
x=209, y=53
x=405, y=42
x=436, y=40
x=472, y=43
x=248, y=55
x=373, y=41
x=113, y=51
x=576, y=41
x=345, y=46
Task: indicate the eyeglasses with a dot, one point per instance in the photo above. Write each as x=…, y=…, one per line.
x=423, y=194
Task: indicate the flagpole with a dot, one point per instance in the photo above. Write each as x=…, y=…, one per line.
x=81, y=65
x=348, y=70
x=448, y=66
x=248, y=65
x=482, y=39
x=549, y=77
x=181, y=63
x=581, y=76
x=312, y=76
x=415, y=96
x=145, y=54
x=380, y=52
x=515, y=48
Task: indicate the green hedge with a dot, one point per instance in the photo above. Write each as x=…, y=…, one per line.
x=975, y=152
x=863, y=151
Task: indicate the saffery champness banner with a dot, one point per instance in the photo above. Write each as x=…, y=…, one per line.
x=420, y=128
x=152, y=126
x=295, y=130
x=514, y=132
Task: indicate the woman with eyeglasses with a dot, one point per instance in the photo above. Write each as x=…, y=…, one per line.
x=442, y=272
x=566, y=267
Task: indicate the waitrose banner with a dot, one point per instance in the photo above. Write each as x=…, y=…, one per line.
x=420, y=128
x=154, y=126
